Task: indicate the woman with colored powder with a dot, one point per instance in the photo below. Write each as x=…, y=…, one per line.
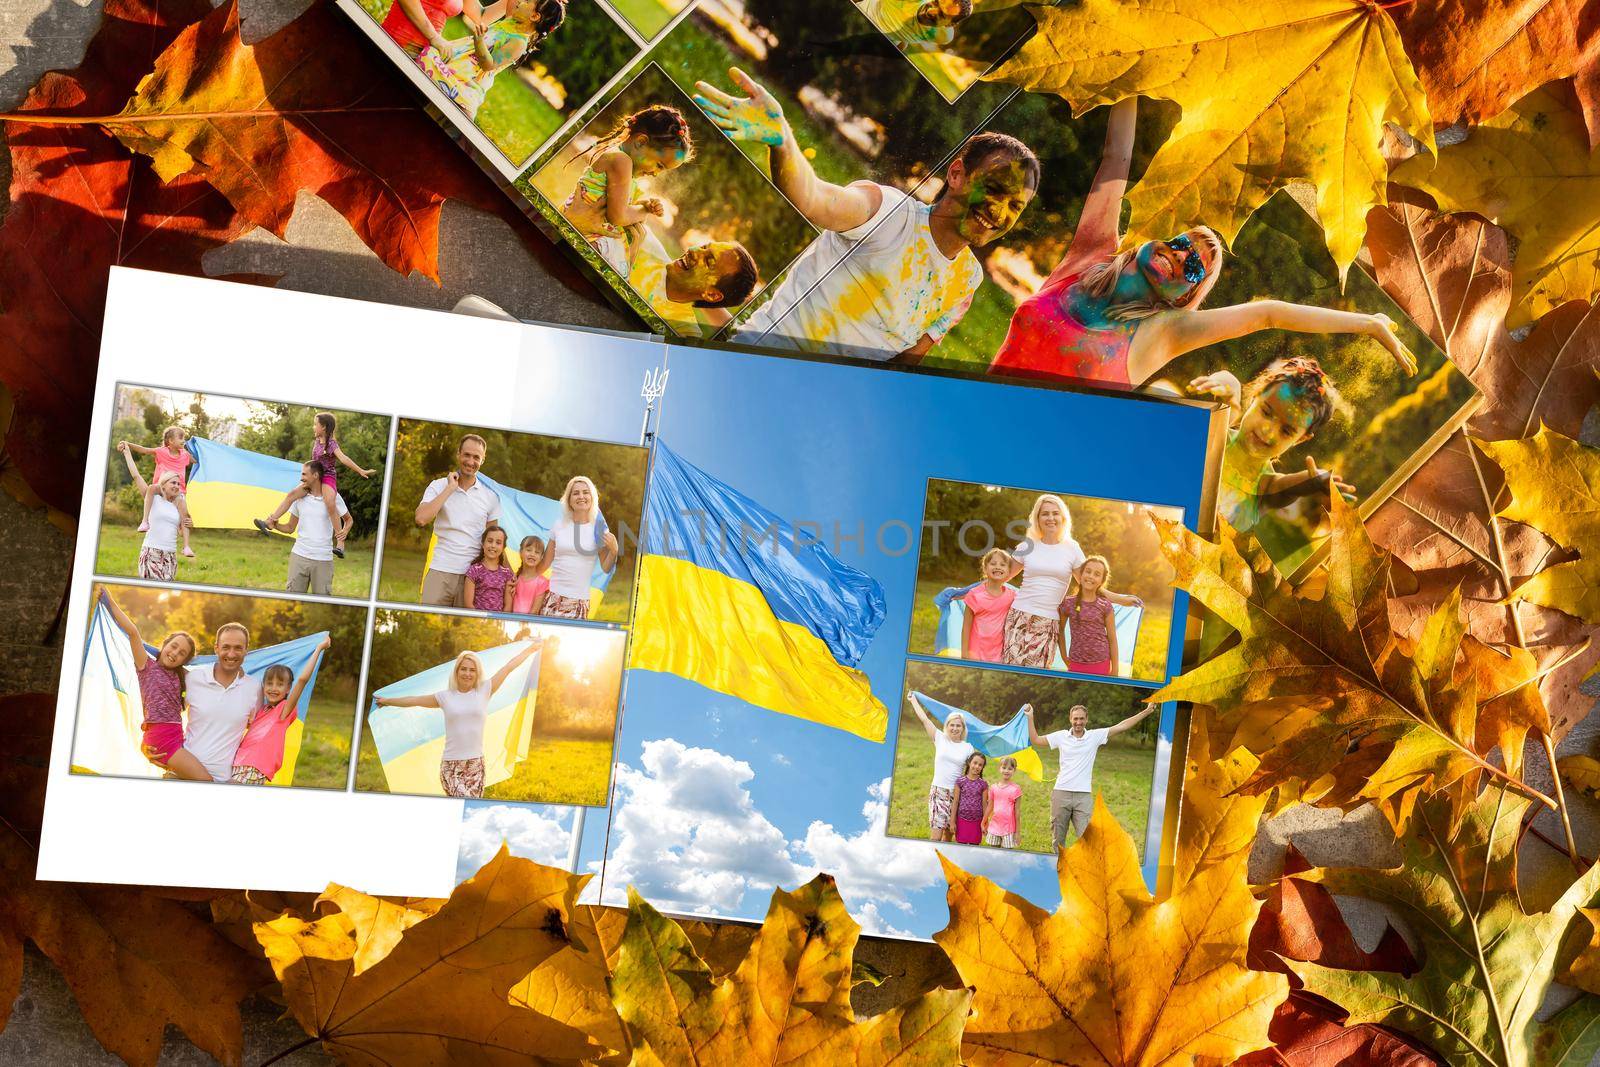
x=1117, y=318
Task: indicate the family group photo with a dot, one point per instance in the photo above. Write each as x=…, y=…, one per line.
x=1015, y=761
x=218, y=687
x=512, y=523
x=490, y=709
x=1045, y=581
x=518, y=70
x=250, y=494
x=952, y=43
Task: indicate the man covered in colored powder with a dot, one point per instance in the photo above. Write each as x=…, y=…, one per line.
x=890, y=275
x=697, y=286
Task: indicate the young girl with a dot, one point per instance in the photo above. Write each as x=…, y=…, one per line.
x=489, y=577
x=1087, y=617
x=260, y=753
x=162, y=694
x=465, y=70
x=531, y=586
x=1002, y=830
x=969, y=815
x=1284, y=406
x=983, y=625
x=325, y=450
x=170, y=457
x=606, y=200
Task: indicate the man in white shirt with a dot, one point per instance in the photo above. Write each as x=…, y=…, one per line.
x=700, y=284
x=221, y=697
x=890, y=275
x=1072, y=799
x=459, y=507
x=311, y=559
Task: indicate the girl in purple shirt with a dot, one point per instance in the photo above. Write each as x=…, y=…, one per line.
x=490, y=579
x=969, y=815
x=161, y=694
x=1089, y=619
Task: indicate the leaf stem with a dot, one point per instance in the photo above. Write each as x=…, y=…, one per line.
x=291, y=1050
x=32, y=119
x=1561, y=798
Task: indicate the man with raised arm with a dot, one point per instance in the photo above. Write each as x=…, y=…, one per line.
x=1072, y=799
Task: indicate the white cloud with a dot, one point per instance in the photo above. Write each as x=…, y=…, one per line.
x=543, y=835
x=781, y=760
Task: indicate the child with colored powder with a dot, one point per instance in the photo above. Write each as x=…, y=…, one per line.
x=488, y=585
x=1283, y=406
x=465, y=70
x=969, y=815
x=983, y=624
x=1089, y=619
x=531, y=587
x=1004, y=797
x=171, y=457
x=260, y=754
x=606, y=200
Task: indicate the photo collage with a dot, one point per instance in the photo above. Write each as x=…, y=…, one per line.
x=280, y=587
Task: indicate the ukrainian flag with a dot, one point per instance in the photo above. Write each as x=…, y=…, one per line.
x=523, y=514
x=996, y=742
x=411, y=740
x=108, y=732
x=725, y=603
x=229, y=488
x=947, y=638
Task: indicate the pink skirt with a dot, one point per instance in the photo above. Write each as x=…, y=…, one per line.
x=1103, y=667
x=968, y=831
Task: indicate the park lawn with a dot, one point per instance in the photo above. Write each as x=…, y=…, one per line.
x=243, y=559
x=324, y=760
x=1149, y=656
x=648, y=16
x=1122, y=775
x=558, y=770
x=401, y=582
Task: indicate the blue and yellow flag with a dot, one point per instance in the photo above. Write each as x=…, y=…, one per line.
x=229, y=488
x=108, y=733
x=731, y=599
x=947, y=638
x=410, y=741
x=523, y=514
x=1008, y=739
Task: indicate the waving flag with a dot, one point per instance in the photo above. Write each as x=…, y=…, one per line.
x=947, y=638
x=108, y=734
x=522, y=514
x=411, y=740
x=731, y=601
x=996, y=742
x=229, y=488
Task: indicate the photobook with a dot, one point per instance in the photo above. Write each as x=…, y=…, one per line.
x=692, y=620
x=838, y=177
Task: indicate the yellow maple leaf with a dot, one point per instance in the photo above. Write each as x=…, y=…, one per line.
x=1270, y=93
x=1529, y=169
x=1111, y=977
x=1555, y=488
x=787, y=1002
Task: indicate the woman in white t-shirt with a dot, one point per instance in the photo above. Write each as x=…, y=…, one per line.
x=1049, y=561
x=465, y=704
x=158, y=555
x=569, y=555
x=950, y=751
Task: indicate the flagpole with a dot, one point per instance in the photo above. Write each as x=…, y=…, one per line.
x=655, y=384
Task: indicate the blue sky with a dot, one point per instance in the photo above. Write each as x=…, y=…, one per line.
x=717, y=800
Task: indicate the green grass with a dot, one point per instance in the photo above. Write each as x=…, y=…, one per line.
x=648, y=16
x=1122, y=775
x=401, y=582
x=324, y=760
x=558, y=770
x=243, y=559
x=1149, y=656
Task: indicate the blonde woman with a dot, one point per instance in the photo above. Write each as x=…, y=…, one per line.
x=950, y=752
x=465, y=703
x=1119, y=318
x=1049, y=561
x=569, y=554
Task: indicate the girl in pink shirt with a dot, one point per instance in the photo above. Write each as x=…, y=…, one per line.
x=170, y=455
x=1004, y=796
x=983, y=625
x=260, y=753
x=531, y=586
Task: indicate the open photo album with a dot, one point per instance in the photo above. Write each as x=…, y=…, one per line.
x=695, y=620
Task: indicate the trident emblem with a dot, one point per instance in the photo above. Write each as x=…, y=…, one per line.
x=655, y=383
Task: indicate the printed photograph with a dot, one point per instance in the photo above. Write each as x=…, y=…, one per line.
x=1050, y=581
x=516, y=69
x=490, y=709
x=253, y=494
x=950, y=42
x=649, y=17
x=512, y=523
x=217, y=687
x=1011, y=760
